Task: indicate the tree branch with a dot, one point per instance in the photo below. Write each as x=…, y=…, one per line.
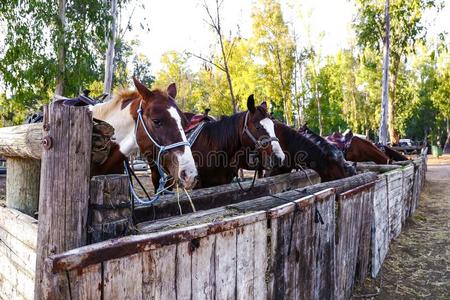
x=207, y=60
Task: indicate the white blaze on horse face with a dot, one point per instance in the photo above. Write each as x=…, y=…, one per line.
x=270, y=128
x=187, y=171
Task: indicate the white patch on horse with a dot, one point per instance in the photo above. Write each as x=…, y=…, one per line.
x=185, y=159
x=270, y=128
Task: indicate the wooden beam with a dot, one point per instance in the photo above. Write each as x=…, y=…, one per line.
x=21, y=141
x=225, y=195
x=64, y=192
x=22, y=184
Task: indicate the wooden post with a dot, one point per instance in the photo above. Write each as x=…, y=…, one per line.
x=64, y=190
x=110, y=208
x=22, y=184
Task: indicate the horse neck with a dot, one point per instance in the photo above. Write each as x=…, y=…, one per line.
x=371, y=152
x=121, y=120
x=223, y=135
x=294, y=142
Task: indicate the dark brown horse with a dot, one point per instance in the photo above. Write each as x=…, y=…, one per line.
x=220, y=144
x=301, y=153
x=151, y=122
x=391, y=153
x=329, y=149
x=357, y=149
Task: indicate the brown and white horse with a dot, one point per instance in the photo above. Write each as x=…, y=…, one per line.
x=151, y=122
x=221, y=144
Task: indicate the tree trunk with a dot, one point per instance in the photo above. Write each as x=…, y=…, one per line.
x=393, y=134
x=283, y=96
x=383, y=130
x=227, y=72
x=61, y=52
x=111, y=40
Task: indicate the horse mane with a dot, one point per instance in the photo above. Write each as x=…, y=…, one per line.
x=121, y=99
x=222, y=134
x=296, y=141
x=322, y=143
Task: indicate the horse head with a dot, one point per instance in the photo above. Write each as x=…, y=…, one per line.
x=160, y=135
x=258, y=133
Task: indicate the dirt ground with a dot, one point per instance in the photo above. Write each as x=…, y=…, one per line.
x=418, y=262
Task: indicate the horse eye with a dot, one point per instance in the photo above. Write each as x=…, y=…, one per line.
x=157, y=122
x=258, y=127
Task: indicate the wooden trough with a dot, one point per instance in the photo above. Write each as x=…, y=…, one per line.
x=285, y=239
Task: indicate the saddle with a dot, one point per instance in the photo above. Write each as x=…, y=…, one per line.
x=341, y=141
x=196, y=124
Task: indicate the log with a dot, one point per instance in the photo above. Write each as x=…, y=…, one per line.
x=21, y=141
x=224, y=195
x=110, y=208
x=22, y=184
x=365, y=167
x=64, y=190
x=259, y=204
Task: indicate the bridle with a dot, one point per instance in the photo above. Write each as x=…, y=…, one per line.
x=164, y=178
x=262, y=141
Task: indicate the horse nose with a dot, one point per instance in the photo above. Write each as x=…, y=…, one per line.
x=188, y=177
x=276, y=160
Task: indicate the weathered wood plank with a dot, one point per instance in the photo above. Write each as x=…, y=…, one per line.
x=123, y=277
x=228, y=263
x=209, y=198
x=365, y=234
x=22, y=184
x=64, y=190
x=325, y=245
x=380, y=233
x=408, y=181
x=395, y=194
x=203, y=268
x=260, y=260
x=14, y=279
x=19, y=225
x=18, y=252
x=184, y=270
x=107, y=193
x=86, y=283
x=159, y=273
x=21, y=141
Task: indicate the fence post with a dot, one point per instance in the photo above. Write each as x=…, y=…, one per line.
x=110, y=208
x=64, y=189
x=22, y=184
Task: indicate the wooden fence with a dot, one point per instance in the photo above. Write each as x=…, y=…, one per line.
x=309, y=242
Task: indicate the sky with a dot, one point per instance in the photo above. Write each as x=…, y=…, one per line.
x=180, y=25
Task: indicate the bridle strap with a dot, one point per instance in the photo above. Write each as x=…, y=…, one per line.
x=162, y=148
x=259, y=143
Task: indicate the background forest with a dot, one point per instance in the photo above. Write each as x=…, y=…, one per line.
x=67, y=46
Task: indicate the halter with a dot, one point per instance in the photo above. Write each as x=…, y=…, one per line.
x=261, y=142
x=162, y=148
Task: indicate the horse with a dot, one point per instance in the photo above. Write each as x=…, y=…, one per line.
x=357, y=149
x=220, y=144
x=329, y=149
x=149, y=121
x=391, y=153
x=301, y=152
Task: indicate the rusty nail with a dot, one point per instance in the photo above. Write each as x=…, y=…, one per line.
x=47, y=142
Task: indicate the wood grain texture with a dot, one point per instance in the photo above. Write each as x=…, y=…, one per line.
x=22, y=184
x=395, y=196
x=123, y=278
x=107, y=223
x=380, y=232
x=64, y=190
x=21, y=141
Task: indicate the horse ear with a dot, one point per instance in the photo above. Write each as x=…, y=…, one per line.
x=251, y=103
x=264, y=105
x=142, y=89
x=172, y=90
